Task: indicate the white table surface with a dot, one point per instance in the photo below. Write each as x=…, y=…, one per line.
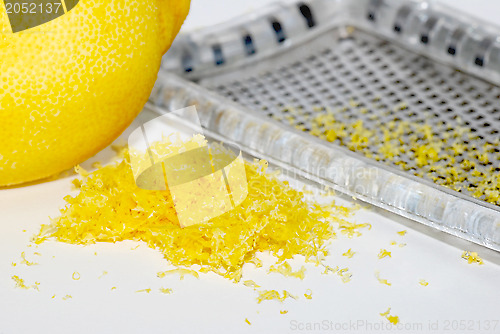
x=460, y=297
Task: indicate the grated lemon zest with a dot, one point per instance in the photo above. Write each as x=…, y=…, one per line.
x=166, y=291
x=67, y=297
x=76, y=276
x=274, y=218
x=180, y=271
x=251, y=284
x=308, y=294
x=148, y=290
x=247, y=321
x=384, y=253
x=345, y=275
x=104, y=273
x=349, y=254
x=26, y=262
x=472, y=257
x=382, y=280
x=402, y=233
x=286, y=270
x=393, y=319
x=423, y=282
x=274, y=295
x=283, y=311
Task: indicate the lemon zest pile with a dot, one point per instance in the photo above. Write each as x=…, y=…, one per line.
x=472, y=257
x=393, y=319
x=349, y=253
x=384, y=253
x=274, y=218
x=274, y=295
x=286, y=270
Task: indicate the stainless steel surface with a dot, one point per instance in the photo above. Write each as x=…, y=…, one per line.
x=356, y=60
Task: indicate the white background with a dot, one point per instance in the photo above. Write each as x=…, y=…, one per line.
x=458, y=293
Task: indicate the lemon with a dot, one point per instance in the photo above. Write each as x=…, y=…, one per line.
x=70, y=86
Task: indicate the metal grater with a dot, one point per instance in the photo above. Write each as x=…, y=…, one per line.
x=372, y=60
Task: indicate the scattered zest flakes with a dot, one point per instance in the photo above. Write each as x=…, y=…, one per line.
x=345, y=275
x=382, y=280
x=423, y=282
x=384, y=253
x=104, y=273
x=393, y=243
x=247, y=321
x=329, y=269
x=402, y=233
x=67, y=297
x=273, y=294
x=401, y=245
x=283, y=311
x=393, y=319
x=349, y=253
x=54, y=296
x=113, y=288
x=76, y=276
x=251, y=284
x=21, y=284
x=180, y=271
x=26, y=262
x=166, y=291
x=286, y=270
x=13, y=264
x=472, y=257
x=308, y=294
x=148, y=290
